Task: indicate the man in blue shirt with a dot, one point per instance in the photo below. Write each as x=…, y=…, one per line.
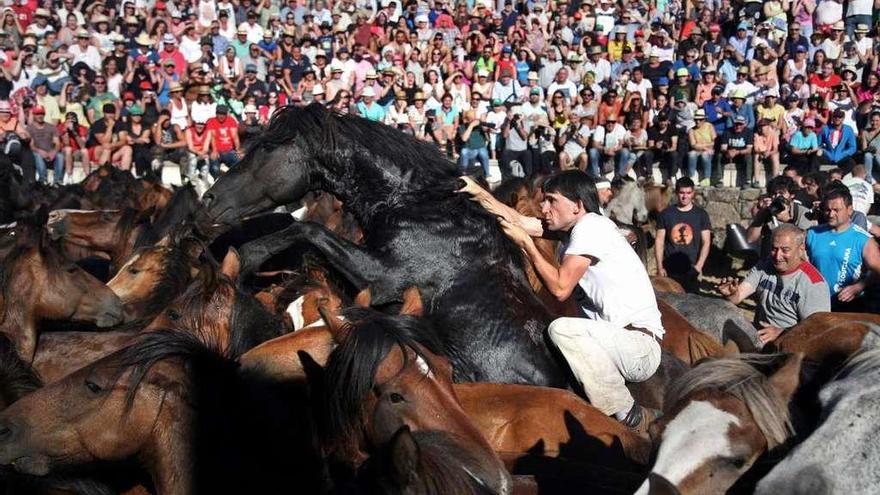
x=838, y=143
x=718, y=110
x=803, y=148
x=839, y=249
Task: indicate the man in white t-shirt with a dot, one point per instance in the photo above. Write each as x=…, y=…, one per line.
x=619, y=341
x=609, y=151
x=862, y=192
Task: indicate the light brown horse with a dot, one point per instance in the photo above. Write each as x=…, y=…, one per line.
x=37, y=283
x=720, y=417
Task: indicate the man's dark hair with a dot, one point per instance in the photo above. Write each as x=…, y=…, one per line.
x=836, y=190
x=576, y=186
x=792, y=168
x=684, y=182
x=108, y=108
x=780, y=184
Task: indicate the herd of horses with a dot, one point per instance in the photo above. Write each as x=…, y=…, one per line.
x=385, y=338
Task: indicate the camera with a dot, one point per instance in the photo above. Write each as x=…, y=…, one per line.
x=816, y=214
x=778, y=205
x=488, y=125
x=27, y=102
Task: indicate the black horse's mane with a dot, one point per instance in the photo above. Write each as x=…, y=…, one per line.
x=351, y=367
x=439, y=467
x=132, y=218
x=183, y=203
x=323, y=130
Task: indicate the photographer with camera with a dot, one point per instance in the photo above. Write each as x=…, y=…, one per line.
x=775, y=209
x=516, y=145
x=472, y=134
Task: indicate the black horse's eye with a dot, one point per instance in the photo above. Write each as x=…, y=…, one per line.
x=396, y=398
x=173, y=315
x=93, y=387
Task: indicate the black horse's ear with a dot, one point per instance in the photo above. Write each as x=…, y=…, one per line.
x=403, y=457
x=231, y=264
x=363, y=298
x=412, y=302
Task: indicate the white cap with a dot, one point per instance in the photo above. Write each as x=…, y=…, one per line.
x=317, y=89
x=368, y=91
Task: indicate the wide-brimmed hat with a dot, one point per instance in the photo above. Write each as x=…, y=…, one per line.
x=42, y=13
x=419, y=96
x=368, y=91
x=175, y=87
x=838, y=26
x=143, y=39
x=861, y=28
x=204, y=90
x=371, y=74
x=700, y=114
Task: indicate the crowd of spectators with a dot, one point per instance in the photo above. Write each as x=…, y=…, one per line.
x=607, y=86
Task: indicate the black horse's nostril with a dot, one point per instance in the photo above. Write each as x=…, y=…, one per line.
x=207, y=199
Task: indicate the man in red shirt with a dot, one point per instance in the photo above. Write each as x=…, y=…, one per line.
x=822, y=84
x=225, y=145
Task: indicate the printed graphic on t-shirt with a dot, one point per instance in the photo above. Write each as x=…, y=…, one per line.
x=682, y=234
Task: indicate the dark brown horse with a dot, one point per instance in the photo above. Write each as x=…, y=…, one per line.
x=110, y=233
x=37, y=283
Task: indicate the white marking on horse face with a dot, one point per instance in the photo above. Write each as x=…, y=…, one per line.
x=423, y=366
x=113, y=281
x=696, y=435
x=295, y=310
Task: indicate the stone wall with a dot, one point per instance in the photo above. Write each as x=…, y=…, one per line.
x=726, y=205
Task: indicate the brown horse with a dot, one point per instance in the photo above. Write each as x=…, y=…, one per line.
x=829, y=337
x=385, y=373
x=212, y=308
x=297, y=300
x=111, y=233
x=155, y=275
x=327, y=210
x=179, y=410
x=516, y=420
x=720, y=418
x=37, y=283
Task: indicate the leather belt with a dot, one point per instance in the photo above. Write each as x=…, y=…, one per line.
x=646, y=332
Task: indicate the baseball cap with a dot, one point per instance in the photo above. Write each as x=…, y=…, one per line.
x=681, y=72
x=497, y=102
x=250, y=68
x=135, y=110
x=169, y=39
x=739, y=119
x=128, y=96
x=535, y=91
x=663, y=81
x=39, y=110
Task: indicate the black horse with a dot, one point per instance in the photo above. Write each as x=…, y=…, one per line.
x=417, y=231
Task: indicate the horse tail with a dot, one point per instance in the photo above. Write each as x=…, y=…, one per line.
x=701, y=345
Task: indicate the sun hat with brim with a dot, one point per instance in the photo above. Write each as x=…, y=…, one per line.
x=168, y=62
x=42, y=13
x=204, y=90
x=368, y=91
x=738, y=94
x=611, y=118
x=132, y=20
x=371, y=74
x=861, y=28
x=742, y=70
x=82, y=33
x=838, y=26
x=135, y=110
x=169, y=39
x=102, y=18
x=241, y=30
x=533, y=76
x=143, y=39
x=175, y=87
x=700, y=114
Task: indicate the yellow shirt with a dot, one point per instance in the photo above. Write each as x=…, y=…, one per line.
x=53, y=112
x=615, y=49
x=773, y=114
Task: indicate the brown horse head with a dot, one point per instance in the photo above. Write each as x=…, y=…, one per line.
x=721, y=416
x=387, y=372
x=155, y=275
x=112, y=232
x=37, y=283
x=218, y=313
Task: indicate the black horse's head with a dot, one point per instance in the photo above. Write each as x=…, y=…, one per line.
x=362, y=162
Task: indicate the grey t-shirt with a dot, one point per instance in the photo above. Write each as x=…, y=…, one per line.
x=785, y=299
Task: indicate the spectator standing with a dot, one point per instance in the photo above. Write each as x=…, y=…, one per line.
x=843, y=252
x=684, y=236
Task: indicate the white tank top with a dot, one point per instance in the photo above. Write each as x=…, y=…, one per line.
x=179, y=115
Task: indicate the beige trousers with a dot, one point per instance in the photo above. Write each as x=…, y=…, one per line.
x=604, y=357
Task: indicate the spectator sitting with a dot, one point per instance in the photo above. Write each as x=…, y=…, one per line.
x=787, y=287
x=736, y=148
x=837, y=143
x=46, y=146
x=702, y=145
x=609, y=148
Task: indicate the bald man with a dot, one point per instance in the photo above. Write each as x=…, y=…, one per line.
x=787, y=287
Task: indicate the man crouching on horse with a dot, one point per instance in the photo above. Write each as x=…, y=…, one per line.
x=620, y=339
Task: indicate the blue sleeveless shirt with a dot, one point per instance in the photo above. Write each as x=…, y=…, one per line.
x=838, y=256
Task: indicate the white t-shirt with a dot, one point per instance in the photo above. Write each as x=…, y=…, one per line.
x=611, y=139
x=616, y=284
x=862, y=193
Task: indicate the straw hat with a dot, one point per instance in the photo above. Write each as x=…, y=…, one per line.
x=143, y=39
x=175, y=87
